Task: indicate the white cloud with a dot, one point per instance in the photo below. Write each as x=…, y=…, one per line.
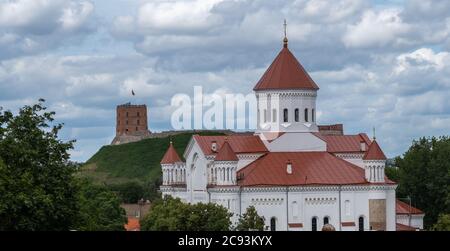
x=377, y=29
x=32, y=26
x=182, y=15
x=423, y=59
x=76, y=14
x=376, y=65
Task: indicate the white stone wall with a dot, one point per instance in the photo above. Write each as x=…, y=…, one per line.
x=416, y=220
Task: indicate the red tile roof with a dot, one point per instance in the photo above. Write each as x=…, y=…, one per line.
x=285, y=72
x=133, y=224
x=404, y=208
x=401, y=227
x=344, y=143
x=374, y=152
x=226, y=153
x=171, y=156
x=239, y=143
x=308, y=168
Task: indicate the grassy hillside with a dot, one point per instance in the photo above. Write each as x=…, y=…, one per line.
x=138, y=161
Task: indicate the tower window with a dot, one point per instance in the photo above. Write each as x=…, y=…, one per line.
x=138, y=122
x=326, y=220
x=314, y=224
x=127, y=114
x=306, y=115
x=273, y=224
x=137, y=128
x=313, y=115
x=361, y=223
x=138, y=114
x=285, y=115
x=274, y=115
x=296, y=115
x=127, y=122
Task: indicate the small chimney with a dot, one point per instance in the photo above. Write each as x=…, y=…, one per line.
x=363, y=146
x=214, y=146
x=289, y=167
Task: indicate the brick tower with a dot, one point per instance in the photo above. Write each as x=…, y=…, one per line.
x=131, y=120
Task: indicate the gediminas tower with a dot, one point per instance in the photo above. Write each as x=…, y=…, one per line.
x=131, y=123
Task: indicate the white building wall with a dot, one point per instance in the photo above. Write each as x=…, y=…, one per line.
x=416, y=220
x=297, y=142
x=390, y=210
x=196, y=175
x=290, y=100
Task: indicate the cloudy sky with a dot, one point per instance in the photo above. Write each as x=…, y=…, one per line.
x=383, y=64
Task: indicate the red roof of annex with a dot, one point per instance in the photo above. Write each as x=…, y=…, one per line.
x=226, y=153
x=374, y=152
x=404, y=208
x=308, y=168
x=171, y=156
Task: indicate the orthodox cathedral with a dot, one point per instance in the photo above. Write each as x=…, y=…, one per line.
x=297, y=174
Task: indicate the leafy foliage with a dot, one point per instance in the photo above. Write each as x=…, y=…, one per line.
x=99, y=209
x=37, y=187
x=424, y=175
x=443, y=223
x=171, y=214
x=250, y=220
x=393, y=173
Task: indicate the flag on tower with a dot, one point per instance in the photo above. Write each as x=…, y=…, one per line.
x=132, y=92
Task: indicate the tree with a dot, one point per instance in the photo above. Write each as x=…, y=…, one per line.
x=171, y=214
x=250, y=220
x=99, y=209
x=392, y=173
x=129, y=192
x=208, y=217
x=37, y=187
x=167, y=214
x=443, y=223
x=424, y=175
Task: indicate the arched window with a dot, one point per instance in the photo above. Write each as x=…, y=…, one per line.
x=285, y=115
x=138, y=122
x=296, y=115
x=326, y=220
x=306, y=114
x=273, y=224
x=313, y=115
x=361, y=223
x=265, y=115
x=274, y=115
x=314, y=224
x=347, y=207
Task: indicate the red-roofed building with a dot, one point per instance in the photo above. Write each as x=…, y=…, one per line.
x=409, y=218
x=297, y=174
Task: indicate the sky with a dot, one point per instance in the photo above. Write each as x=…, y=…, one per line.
x=382, y=64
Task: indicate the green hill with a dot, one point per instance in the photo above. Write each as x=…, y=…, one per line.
x=134, y=162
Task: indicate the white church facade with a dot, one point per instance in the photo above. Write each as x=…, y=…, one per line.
x=297, y=174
